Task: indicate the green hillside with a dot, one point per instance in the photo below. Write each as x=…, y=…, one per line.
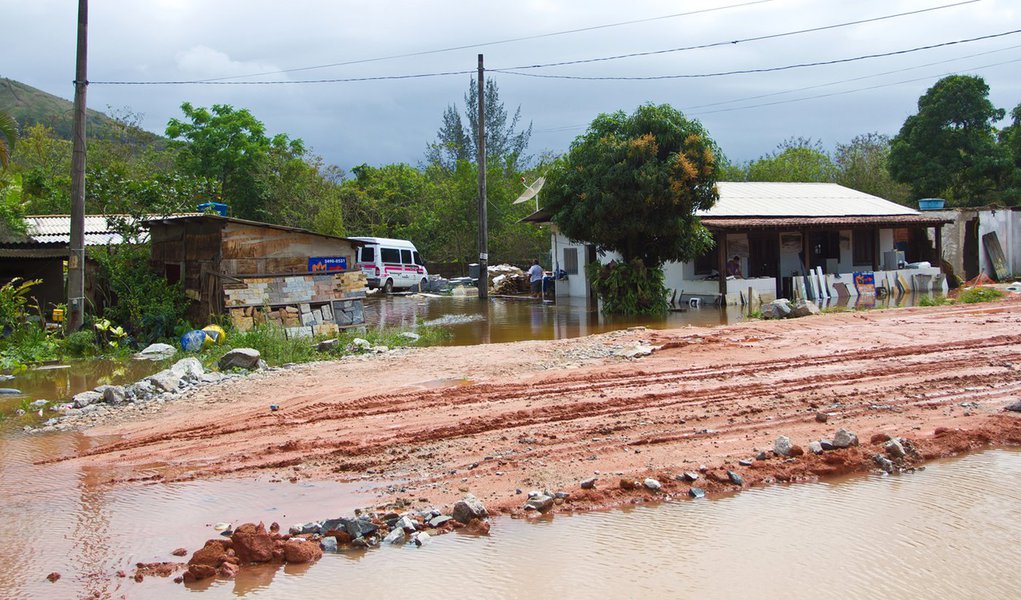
x=30, y=105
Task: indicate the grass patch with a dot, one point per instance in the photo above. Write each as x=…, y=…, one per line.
x=934, y=301
x=980, y=294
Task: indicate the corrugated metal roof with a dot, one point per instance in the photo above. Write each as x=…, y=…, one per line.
x=767, y=199
x=56, y=230
x=844, y=222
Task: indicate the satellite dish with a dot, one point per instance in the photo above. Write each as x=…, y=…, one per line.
x=531, y=191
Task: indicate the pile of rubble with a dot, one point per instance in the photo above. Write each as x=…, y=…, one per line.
x=507, y=280
x=781, y=308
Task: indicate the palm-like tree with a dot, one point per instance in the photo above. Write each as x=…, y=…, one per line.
x=8, y=137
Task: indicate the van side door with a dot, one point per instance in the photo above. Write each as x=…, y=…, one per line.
x=410, y=272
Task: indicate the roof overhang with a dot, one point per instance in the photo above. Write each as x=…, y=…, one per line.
x=841, y=222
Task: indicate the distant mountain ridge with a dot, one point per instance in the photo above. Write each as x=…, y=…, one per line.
x=29, y=106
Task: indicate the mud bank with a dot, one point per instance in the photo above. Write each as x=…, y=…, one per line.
x=503, y=419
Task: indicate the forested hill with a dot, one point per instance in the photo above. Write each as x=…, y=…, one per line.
x=29, y=106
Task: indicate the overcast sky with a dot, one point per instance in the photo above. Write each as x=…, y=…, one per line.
x=379, y=122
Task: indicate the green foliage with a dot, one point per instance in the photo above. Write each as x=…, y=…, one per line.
x=948, y=149
x=862, y=165
x=80, y=344
x=143, y=302
x=794, y=160
x=629, y=288
x=980, y=294
x=8, y=138
x=457, y=138
x=934, y=301
x=12, y=208
x=633, y=183
x=230, y=146
x=26, y=345
x=15, y=304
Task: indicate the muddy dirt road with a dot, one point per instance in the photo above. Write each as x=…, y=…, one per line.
x=430, y=424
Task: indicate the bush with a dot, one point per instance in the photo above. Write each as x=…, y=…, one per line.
x=934, y=301
x=15, y=304
x=629, y=288
x=143, y=302
x=80, y=344
x=980, y=294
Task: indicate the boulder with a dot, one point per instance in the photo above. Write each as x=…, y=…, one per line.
x=189, y=369
x=300, y=552
x=361, y=527
x=252, y=543
x=328, y=544
x=396, y=536
x=165, y=381
x=652, y=484
x=213, y=554
x=469, y=508
x=782, y=446
x=198, y=572
x=421, y=538
x=821, y=417
x=439, y=521
x=815, y=447
x=407, y=524
x=777, y=309
x=86, y=398
x=211, y=378
x=805, y=309
x=140, y=391
x=696, y=492
x=414, y=337
x=883, y=463
x=328, y=345
x=589, y=483
x=541, y=503
x=894, y=448
x=240, y=358
x=477, y=527
x=1014, y=407
x=156, y=352
x=844, y=438
x=114, y=394
x=735, y=478
x=360, y=344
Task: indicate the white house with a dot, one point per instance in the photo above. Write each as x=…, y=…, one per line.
x=791, y=240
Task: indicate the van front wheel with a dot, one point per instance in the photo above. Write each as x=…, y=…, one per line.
x=388, y=287
x=423, y=285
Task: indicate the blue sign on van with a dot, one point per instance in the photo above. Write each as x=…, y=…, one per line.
x=318, y=264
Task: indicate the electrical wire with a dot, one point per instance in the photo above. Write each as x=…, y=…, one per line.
x=739, y=41
x=287, y=81
x=762, y=70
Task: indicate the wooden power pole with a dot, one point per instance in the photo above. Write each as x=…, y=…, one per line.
x=76, y=247
x=483, y=220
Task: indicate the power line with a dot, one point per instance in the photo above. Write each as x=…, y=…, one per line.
x=762, y=70
x=286, y=81
x=739, y=41
x=495, y=43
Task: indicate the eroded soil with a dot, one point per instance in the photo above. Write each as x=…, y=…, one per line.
x=428, y=425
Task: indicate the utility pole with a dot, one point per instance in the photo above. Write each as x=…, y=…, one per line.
x=76, y=247
x=483, y=220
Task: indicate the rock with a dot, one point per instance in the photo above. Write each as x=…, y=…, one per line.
x=140, y=391
x=744, y=462
x=328, y=544
x=469, y=508
x=797, y=450
x=189, y=369
x=439, y=521
x=240, y=358
x=652, y=484
x=821, y=417
x=777, y=309
x=1014, y=407
x=85, y=399
x=735, y=478
x=328, y=345
x=883, y=463
x=844, y=438
x=396, y=536
x=414, y=337
x=696, y=492
x=295, y=529
x=198, y=572
x=211, y=378
x=762, y=455
x=39, y=404
x=589, y=483
x=782, y=446
x=252, y=543
x=296, y=552
x=361, y=344
x=362, y=527
x=114, y=394
x=180, y=552
x=894, y=448
x=407, y=524
x=420, y=538
x=165, y=381
x=156, y=352
x=826, y=444
x=628, y=485
x=227, y=570
x=477, y=527
x=53, y=576
x=541, y=503
x=213, y=554
x=815, y=447
x=689, y=476
x=805, y=309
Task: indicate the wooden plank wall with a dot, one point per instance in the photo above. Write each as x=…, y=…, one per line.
x=252, y=250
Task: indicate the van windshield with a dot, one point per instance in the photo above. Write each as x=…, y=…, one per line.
x=418, y=260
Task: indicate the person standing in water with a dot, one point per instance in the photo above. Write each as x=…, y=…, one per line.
x=535, y=278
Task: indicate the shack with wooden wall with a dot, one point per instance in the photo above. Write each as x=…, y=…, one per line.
x=257, y=272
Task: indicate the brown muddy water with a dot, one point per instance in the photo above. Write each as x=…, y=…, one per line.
x=471, y=321
x=948, y=531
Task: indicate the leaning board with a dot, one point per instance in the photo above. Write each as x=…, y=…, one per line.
x=996, y=256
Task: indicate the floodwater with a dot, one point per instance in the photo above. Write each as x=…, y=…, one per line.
x=948, y=531
x=472, y=321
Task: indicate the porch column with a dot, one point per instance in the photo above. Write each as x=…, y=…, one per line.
x=721, y=264
x=805, y=252
x=876, y=248
x=939, y=248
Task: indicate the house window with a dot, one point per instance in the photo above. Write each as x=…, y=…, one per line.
x=707, y=263
x=172, y=272
x=390, y=255
x=571, y=261
x=863, y=247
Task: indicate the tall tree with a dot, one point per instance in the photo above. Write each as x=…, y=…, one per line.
x=8, y=138
x=862, y=165
x=949, y=147
x=457, y=138
x=794, y=160
x=1010, y=140
x=230, y=146
x=633, y=184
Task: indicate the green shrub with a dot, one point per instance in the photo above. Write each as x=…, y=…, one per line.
x=80, y=344
x=980, y=294
x=27, y=345
x=15, y=304
x=629, y=288
x=934, y=301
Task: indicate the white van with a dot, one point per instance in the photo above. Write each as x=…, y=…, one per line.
x=390, y=264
